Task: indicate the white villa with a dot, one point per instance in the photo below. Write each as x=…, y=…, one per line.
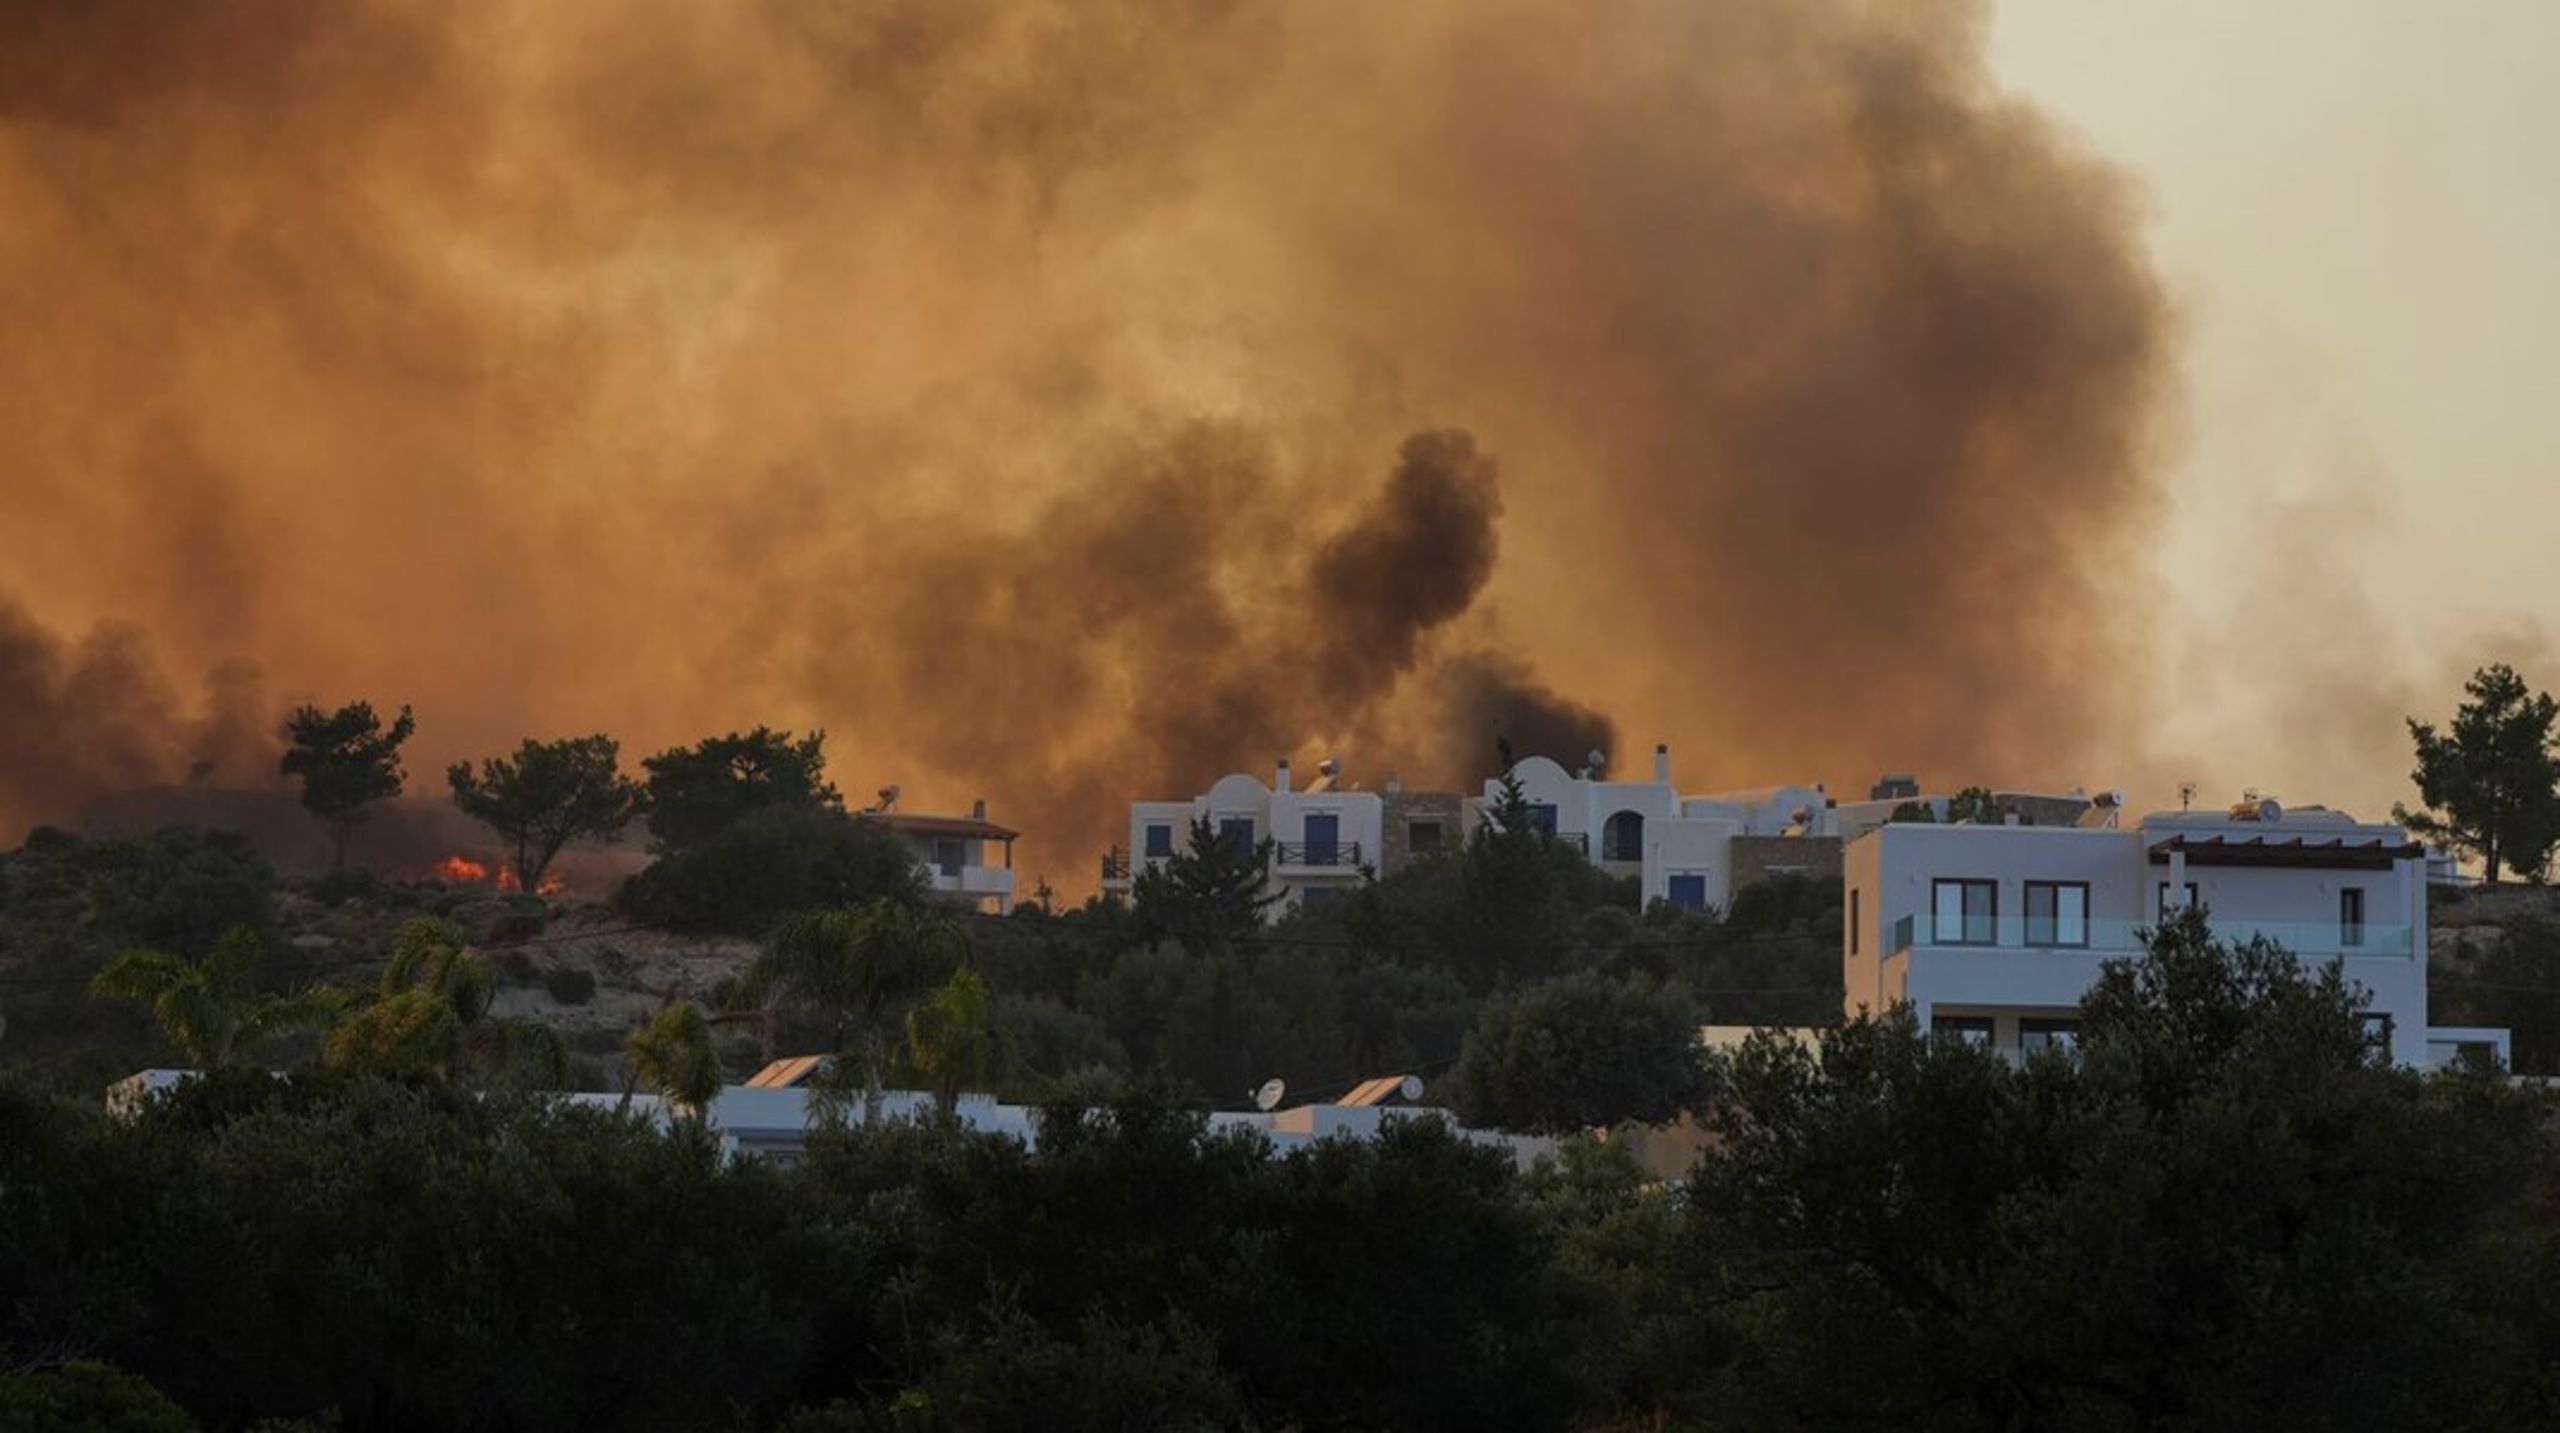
x=1325, y=839
x=1995, y=932
x=1682, y=848
x=1694, y=851
x=956, y=852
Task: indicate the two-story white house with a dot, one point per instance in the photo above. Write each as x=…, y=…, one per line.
x=1325, y=840
x=1682, y=849
x=1995, y=932
x=960, y=854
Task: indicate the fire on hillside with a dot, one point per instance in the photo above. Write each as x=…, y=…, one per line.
x=460, y=870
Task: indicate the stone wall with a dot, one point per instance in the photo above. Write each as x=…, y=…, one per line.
x=1403, y=808
x=1756, y=858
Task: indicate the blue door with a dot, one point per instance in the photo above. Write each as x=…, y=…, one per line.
x=1689, y=892
x=1324, y=834
x=1542, y=818
x=1237, y=832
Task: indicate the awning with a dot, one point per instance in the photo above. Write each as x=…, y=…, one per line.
x=2317, y=853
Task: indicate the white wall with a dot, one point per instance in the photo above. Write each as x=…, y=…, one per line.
x=1892, y=871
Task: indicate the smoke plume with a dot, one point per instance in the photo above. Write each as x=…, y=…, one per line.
x=1068, y=402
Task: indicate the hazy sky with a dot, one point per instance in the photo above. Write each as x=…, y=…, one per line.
x=2356, y=204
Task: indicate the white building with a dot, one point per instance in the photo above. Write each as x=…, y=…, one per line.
x=1681, y=848
x=772, y=1115
x=1325, y=840
x=1689, y=850
x=1997, y=931
x=958, y=853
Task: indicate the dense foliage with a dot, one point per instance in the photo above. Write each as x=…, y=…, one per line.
x=695, y=793
x=2221, y=1214
x=2217, y=1214
x=742, y=878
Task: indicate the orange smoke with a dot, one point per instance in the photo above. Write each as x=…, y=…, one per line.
x=1028, y=394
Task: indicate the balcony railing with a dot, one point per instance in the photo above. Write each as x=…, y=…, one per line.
x=1329, y=854
x=2311, y=939
x=1115, y=865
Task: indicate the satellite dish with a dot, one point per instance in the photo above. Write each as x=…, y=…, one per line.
x=888, y=796
x=1330, y=766
x=1410, y=1087
x=1596, y=759
x=1267, y=1098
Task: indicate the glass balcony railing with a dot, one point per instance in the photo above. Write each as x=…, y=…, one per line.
x=2312, y=939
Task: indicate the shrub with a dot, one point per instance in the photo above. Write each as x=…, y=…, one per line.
x=570, y=985
x=352, y=883
x=743, y=879
x=85, y=1395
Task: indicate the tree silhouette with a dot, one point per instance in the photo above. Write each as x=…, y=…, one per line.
x=2495, y=775
x=347, y=760
x=547, y=795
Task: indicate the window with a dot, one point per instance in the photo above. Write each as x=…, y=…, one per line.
x=1965, y=912
x=1854, y=893
x=1237, y=832
x=2192, y=902
x=950, y=854
x=1421, y=836
x=1159, y=839
x=2351, y=917
x=2034, y=1035
x=2377, y=1036
x=1542, y=818
x=1622, y=837
x=2058, y=913
x=1974, y=1030
x=1689, y=892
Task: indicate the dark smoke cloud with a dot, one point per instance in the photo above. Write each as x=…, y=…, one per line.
x=1005, y=387
x=82, y=719
x=1486, y=701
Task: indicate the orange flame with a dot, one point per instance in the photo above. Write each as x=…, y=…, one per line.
x=461, y=870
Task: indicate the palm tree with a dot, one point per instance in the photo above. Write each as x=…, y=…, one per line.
x=207, y=1008
x=952, y=1038
x=674, y=1054
x=432, y=1015
x=851, y=969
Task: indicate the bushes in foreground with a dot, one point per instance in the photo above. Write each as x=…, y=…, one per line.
x=2216, y=1213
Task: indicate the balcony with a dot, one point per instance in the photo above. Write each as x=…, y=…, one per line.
x=1342, y=856
x=971, y=880
x=1115, y=870
x=2312, y=940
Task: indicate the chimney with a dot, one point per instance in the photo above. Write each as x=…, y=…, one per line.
x=978, y=809
x=1280, y=779
x=1662, y=762
x=1395, y=784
